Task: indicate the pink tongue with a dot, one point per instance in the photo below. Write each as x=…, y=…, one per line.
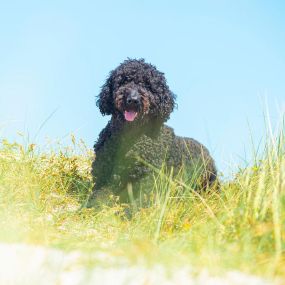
x=130, y=115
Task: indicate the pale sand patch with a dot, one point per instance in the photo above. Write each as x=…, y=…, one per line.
x=28, y=265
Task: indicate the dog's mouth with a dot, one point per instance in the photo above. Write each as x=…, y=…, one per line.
x=130, y=115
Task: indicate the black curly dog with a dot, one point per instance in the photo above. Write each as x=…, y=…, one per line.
x=135, y=141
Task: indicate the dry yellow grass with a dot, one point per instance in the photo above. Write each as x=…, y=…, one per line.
x=242, y=227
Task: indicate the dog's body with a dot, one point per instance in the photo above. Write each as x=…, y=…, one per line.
x=136, y=142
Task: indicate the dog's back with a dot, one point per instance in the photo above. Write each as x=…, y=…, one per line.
x=195, y=159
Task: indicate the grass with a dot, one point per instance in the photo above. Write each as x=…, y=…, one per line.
x=240, y=228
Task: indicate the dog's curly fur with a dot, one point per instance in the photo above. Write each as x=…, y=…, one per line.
x=135, y=140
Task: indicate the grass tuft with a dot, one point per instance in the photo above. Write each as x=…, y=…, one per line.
x=241, y=227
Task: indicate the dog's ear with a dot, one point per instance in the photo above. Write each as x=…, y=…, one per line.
x=105, y=98
x=167, y=103
x=164, y=99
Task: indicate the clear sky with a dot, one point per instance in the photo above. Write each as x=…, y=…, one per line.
x=221, y=58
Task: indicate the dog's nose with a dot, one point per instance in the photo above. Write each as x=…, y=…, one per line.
x=133, y=98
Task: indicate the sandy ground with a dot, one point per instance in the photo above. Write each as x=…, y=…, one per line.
x=26, y=264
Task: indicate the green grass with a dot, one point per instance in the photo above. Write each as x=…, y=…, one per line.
x=240, y=228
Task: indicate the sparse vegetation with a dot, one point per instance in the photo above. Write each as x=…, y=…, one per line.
x=242, y=227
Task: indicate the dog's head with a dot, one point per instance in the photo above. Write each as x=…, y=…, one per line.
x=136, y=91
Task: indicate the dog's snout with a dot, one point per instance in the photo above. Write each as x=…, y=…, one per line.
x=133, y=98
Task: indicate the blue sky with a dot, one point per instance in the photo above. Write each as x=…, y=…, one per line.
x=223, y=59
